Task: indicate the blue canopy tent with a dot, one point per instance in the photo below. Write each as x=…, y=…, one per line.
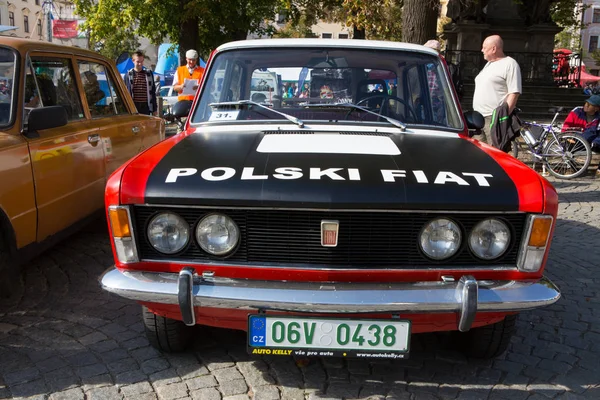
x=125, y=66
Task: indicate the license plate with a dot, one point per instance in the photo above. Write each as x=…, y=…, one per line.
x=328, y=337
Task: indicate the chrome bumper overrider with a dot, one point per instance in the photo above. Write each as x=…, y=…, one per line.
x=465, y=296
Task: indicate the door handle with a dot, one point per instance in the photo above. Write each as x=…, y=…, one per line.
x=135, y=130
x=93, y=139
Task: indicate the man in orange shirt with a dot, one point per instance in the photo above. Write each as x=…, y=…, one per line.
x=190, y=71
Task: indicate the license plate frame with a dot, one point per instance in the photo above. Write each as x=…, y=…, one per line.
x=258, y=324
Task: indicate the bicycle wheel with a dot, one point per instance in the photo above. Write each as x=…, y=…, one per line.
x=568, y=157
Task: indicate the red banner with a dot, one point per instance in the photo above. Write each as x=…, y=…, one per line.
x=64, y=29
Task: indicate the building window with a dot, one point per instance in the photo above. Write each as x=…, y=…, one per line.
x=39, y=27
x=37, y=2
x=26, y=23
x=326, y=35
x=593, y=43
x=342, y=36
x=596, y=16
x=11, y=18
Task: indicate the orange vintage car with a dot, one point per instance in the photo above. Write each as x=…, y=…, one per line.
x=66, y=123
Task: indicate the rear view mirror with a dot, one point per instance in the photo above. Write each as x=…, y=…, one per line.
x=474, y=120
x=182, y=108
x=45, y=118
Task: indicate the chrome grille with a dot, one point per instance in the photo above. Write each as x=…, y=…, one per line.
x=366, y=239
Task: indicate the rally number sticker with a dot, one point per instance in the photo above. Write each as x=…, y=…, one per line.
x=224, y=115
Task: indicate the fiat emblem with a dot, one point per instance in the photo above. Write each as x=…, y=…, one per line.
x=329, y=233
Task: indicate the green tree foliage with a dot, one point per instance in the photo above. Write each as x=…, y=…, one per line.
x=375, y=19
x=567, y=15
x=193, y=24
x=113, y=46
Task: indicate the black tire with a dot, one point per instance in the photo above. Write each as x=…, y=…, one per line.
x=488, y=341
x=168, y=335
x=10, y=273
x=569, y=157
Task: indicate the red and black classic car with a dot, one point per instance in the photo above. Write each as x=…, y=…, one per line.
x=333, y=221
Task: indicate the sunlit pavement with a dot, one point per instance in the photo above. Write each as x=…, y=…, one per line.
x=61, y=337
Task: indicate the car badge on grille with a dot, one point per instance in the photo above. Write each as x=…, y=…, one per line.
x=329, y=233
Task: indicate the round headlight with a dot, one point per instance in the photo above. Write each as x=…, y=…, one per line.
x=440, y=238
x=489, y=239
x=168, y=233
x=217, y=234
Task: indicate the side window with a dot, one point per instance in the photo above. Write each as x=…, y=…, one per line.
x=101, y=93
x=235, y=83
x=49, y=81
x=417, y=98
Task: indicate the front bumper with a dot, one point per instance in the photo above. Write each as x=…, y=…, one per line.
x=465, y=296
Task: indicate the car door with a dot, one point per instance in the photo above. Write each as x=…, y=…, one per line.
x=123, y=132
x=67, y=161
x=17, y=196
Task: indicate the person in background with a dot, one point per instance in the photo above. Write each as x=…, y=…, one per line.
x=586, y=119
x=191, y=70
x=435, y=92
x=157, y=84
x=498, y=82
x=305, y=91
x=140, y=84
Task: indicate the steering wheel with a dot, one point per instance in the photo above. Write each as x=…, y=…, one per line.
x=386, y=99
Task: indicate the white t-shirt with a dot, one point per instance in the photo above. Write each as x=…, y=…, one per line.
x=495, y=81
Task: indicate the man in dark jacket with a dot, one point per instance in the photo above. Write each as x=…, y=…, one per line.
x=141, y=86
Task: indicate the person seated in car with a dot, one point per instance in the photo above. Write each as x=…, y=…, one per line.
x=585, y=119
x=91, y=86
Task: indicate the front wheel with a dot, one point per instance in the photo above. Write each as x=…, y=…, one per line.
x=488, y=341
x=165, y=334
x=568, y=156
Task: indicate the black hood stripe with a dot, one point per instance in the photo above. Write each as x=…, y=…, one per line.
x=430, y=172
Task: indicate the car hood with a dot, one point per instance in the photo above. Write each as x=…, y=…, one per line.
x=351, y=170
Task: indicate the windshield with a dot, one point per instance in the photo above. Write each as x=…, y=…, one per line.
x=7, y=82
x=407, y=86
x=164, y=91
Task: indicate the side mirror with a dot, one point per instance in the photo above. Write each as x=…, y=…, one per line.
x=182, y=108
x=474, y=120
x=45, y=118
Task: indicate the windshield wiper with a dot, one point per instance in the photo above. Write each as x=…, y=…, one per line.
x=392, y=121
x=295, y=120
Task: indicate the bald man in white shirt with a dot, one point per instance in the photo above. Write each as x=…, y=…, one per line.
x=498, y=82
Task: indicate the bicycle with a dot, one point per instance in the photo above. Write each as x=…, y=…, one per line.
x=566, y=155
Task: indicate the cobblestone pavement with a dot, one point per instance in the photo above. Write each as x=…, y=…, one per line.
x=63, y=338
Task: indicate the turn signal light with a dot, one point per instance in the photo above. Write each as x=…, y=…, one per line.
x=119, y=222
x=535, y=242
x=125, y=249
x=540, y=231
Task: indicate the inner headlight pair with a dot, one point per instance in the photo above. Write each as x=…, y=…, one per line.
x=441, y=238
x=216, y=234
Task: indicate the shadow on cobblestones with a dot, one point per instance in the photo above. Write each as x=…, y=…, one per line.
x=63, y=338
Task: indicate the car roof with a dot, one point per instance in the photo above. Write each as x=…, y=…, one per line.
x=325, y=43
x=24, y=46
